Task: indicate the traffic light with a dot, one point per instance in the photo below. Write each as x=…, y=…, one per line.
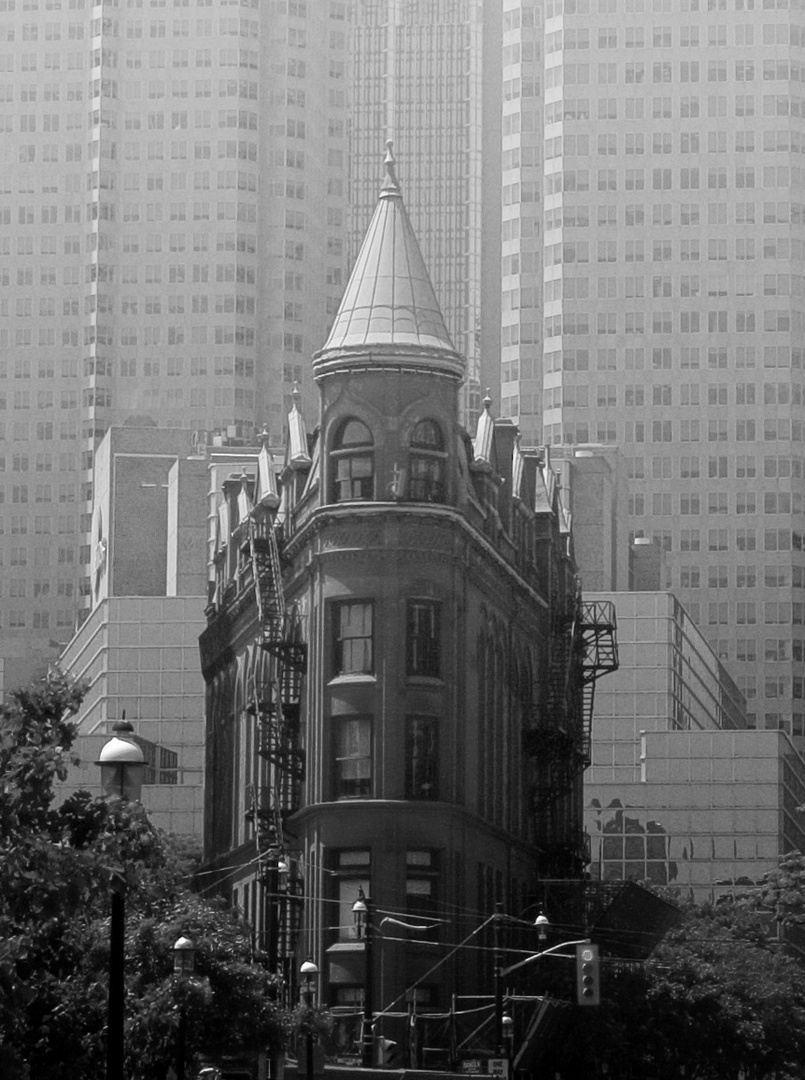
x=588, y=975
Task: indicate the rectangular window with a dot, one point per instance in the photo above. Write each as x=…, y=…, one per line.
x=353, y=873
x=421, y=879
x=352, y=638
x=422, y=641
x=353, y=757
x=421, y=757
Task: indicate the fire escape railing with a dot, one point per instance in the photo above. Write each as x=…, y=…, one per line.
x=276, y=701
x=558, y=746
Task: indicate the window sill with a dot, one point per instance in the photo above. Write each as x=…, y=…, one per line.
x=347, y=946
x=351, y=680
x=424, y=680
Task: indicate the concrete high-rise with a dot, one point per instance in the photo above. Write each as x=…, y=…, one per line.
x=521, y=224
x=427, y=73
x=673, y=267
x=172, y=244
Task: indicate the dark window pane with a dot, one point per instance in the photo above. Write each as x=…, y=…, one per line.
x=423, y=639
x=354, y=433
x=353, y=469
x=353, y=757
x=421, y=758
x=353, y=651
x=427, y=479
x=427, y=435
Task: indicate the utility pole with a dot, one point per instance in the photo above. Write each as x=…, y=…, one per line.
x=498, y=959
x=362, y=913
x=368, y=991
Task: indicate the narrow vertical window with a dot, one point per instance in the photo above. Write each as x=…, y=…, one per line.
x=352, y=638
x=421, y=894
x=421, y=757
x=427, y=463
x=353, y=757
x=353, y=463
x=423, y=639
x=352, y=872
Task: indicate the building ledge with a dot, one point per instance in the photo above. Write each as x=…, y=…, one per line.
x=351, y=680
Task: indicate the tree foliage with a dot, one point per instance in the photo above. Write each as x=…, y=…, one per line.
x=717, y=998
x=783, y=893
x=56, y=868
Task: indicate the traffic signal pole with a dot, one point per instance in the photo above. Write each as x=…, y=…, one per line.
x=554, y=950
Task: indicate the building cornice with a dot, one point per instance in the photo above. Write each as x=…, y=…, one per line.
x=327, y=516
x=348, y=810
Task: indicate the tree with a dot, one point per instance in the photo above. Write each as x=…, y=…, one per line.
x=783, y=893
x=717, y=997
x=56, y=866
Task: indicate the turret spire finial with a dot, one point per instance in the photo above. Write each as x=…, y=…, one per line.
x=389, y=162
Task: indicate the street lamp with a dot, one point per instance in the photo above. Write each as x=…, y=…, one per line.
x=184, y=960
x=362, y=912
x=308, y=970
x=507, y=1020
x=122, y=764
x=542, y=925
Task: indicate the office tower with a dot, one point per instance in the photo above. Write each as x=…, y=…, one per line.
x=426, y=73
x=172, y=216
x=521, y=226
x=673, y=301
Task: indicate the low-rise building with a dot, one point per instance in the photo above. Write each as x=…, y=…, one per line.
x=137, y=651
x=395, y=663
x=680, y=791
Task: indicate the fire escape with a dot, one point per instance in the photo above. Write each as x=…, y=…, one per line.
x=583, y=647
x=275, y=699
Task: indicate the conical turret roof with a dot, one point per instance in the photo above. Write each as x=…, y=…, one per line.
x=389, y=309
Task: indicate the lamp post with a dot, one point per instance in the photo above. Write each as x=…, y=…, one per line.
x=542, y=925
x=507, y=1021
x=498, y=961
x=308, y=970
x=122, y=764
x=362, y=911
x=184, y=958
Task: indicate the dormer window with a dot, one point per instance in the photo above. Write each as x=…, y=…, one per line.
x=353, y=463
x=427, y=464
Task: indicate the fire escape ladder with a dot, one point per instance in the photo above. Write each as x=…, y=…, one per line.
x=267, y=581
x=583, y=648
x=598, y=633
x=276, y=702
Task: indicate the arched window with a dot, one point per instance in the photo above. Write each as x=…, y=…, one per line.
x=353, y=463
x=427, y=463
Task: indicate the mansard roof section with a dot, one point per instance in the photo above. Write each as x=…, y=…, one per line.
x=389, y=312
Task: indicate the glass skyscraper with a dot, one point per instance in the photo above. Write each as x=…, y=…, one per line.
x=426, y=73
x=672, y=276
x=172, y=248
